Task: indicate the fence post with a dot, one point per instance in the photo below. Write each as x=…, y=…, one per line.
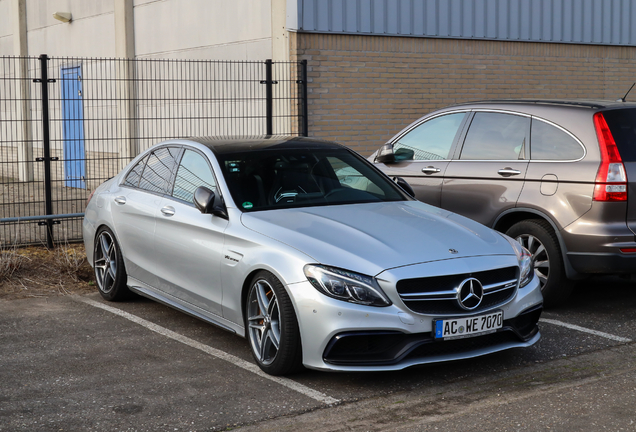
x=304, y=111
x=269, y=98
x=46, y=143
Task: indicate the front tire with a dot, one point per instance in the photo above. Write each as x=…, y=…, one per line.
x=538, y=237
x=108, y=264
x=272, y=327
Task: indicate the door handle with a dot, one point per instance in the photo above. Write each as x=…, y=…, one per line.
x=120, y=200
x=507, y=172
x=430, y=170
x=168, y=211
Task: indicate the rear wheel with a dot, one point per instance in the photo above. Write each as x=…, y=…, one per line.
x=108, y=264
x=538, y=237
x=272, y=328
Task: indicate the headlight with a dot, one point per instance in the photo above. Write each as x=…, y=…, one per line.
x=524, y=257
x=345, y=285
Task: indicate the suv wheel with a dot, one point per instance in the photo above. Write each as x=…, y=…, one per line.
x=538, y=237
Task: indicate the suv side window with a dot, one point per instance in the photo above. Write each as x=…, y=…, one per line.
x=432, y=140
x=193, y=172
x=551, y=143
x=496, y=136
x=158, y=170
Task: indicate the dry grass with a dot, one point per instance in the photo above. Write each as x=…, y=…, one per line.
x=71, y=260
x=38, y=272
x=10, y=261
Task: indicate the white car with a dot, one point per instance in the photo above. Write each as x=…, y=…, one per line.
x=261, y=237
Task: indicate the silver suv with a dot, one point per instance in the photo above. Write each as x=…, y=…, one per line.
x=558, y=176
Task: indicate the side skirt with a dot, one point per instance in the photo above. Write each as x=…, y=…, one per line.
x=190, y=310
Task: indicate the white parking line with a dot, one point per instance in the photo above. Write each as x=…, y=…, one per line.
x=213, y=352
x=585, y=330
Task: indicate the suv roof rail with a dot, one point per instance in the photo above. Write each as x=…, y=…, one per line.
x=582, y=104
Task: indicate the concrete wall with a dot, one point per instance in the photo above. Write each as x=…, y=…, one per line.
x=203, y=29
x=193, y=29
x=364, y=89
x=91, y=33
x=6, y=28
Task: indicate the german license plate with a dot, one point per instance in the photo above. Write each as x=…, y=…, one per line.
x=456, y=328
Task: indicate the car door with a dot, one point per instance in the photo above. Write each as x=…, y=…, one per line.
x=487, y=173
x=423, y=153
x=188, y=243
x=135, y=206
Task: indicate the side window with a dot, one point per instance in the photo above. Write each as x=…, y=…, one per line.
x=551, y=143
x=193, y=172
x=432, y=140
x=158, y=170
x=494, y=136
x=132, y=179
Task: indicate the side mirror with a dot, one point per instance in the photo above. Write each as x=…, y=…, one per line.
x=404, y=185
x=206, y=201
x=385, y=154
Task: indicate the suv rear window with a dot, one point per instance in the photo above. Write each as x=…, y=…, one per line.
x=622, y=124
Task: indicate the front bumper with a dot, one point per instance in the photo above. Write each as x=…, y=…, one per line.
x=390, y=348
x=341, y=336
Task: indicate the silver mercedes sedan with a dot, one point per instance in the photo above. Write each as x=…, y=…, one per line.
x=311, y=253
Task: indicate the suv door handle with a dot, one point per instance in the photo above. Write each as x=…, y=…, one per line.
x=120, y=200
x=168, y=211
x=507, y=172
x=430, y=170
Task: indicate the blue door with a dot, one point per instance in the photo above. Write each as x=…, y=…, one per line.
x=73, y=128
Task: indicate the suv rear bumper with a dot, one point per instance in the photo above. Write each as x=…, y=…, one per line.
x=603, y=263
x=593, y=243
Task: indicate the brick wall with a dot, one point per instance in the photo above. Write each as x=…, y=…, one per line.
x=364, y=89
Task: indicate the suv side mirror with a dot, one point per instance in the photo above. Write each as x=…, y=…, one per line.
x=206, y=201
x=404, y=185
x=385, y=154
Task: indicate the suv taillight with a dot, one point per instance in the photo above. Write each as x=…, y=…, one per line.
x=611, y=181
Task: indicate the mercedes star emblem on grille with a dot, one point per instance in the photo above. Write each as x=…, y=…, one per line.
x=470, y=294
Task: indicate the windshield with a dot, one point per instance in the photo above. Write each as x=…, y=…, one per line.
x=269, y=179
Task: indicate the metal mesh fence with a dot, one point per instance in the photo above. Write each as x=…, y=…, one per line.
x=68, y=124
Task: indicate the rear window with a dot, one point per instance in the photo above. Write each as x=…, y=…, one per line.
x=158, y=170
x=622, y=124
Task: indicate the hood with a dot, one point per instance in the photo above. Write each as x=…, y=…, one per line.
x=373, y=237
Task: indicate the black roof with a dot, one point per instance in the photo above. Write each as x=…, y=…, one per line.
x=225, y=145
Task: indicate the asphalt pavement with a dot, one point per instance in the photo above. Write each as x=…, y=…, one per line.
x=79, y=363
